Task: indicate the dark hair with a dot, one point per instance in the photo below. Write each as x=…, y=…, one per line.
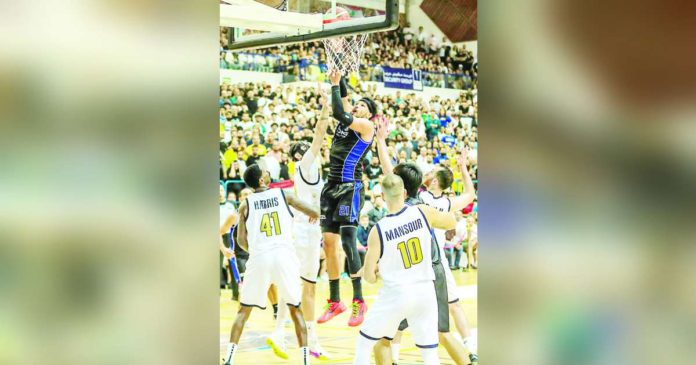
x=252, y=176
x=444, y=177
x=411, y=176
x=299, y=147
x=371, y=106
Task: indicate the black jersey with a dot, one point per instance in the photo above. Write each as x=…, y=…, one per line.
x=347, y=152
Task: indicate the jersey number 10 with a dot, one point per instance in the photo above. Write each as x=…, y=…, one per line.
x=411, y=252
x=266, y=224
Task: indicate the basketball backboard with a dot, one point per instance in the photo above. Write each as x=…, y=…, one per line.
x=266, y=23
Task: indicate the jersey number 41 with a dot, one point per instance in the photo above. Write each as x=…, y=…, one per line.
x=266, y=224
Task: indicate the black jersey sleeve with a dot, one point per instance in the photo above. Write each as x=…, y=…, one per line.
x=339, y=114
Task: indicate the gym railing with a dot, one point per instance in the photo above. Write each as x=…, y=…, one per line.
x=271, y=63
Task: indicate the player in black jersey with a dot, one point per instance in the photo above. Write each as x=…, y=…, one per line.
x=343, y=196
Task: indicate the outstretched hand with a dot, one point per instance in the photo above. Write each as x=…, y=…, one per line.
x=382, y=127
x=334, y=77
x=463, y=158
x=323, y=98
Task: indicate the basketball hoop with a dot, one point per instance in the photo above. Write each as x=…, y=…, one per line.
x=344, y=53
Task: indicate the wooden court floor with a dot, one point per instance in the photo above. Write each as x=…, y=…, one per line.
x=335, y=336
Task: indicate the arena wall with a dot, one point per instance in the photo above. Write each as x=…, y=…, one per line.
x=237, y=76
x=418, y=18
x=426, y=93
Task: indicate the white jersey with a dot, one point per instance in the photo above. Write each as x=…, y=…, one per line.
x=406, y=248
x=269, y=222
x=443, y=204
x=308, y=186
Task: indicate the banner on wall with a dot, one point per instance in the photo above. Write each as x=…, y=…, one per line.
x=401, y=78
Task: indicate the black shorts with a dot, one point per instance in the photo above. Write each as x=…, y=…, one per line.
x=341, y=203
x=442, y=305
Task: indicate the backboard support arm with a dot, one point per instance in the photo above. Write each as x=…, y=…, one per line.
x=389, y=21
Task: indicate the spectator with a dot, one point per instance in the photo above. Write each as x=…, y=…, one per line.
x=373, y=171
x=432, y=125
x=422, y=35
x=368, y=204
x=284, y=169
x=271, y=165
x=256, y=143
x=363, y=229
x=223, y=172
x=251, y=102
x=235, y=173
x=254, y=156
x=378, y=211
x=276, y=149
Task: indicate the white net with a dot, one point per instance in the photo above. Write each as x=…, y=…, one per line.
x=345, y=53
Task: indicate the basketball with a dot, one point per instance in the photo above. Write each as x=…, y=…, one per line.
x=341, y=14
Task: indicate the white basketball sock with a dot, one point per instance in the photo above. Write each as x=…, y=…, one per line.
x=395, y=352
x=430, y=356
x=231, y=349
x=468, y=344
x=282, y=315
x=304, y=355
x=311, y=333
x=363, y=351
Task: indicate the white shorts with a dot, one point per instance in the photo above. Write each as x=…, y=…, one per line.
x=280, y=268
x=308, y=249
x=452, y=296
x=415, y=302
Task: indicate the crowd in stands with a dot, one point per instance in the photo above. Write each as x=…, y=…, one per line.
x=442, y=63
x=259, y=122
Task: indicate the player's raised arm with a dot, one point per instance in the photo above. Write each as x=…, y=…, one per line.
x=438, y=219
x=382, y=150
x=319, y=133
x=374, y=249
x=344, y=94
x=469, y=193
x=241, y=227
x=360, y=125
x=311, y=211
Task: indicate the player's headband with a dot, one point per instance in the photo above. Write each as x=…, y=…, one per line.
x=371, y=106
x=299, y=147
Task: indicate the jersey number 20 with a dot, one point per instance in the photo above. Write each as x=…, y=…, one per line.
x=411, y=252
x=266, y=224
